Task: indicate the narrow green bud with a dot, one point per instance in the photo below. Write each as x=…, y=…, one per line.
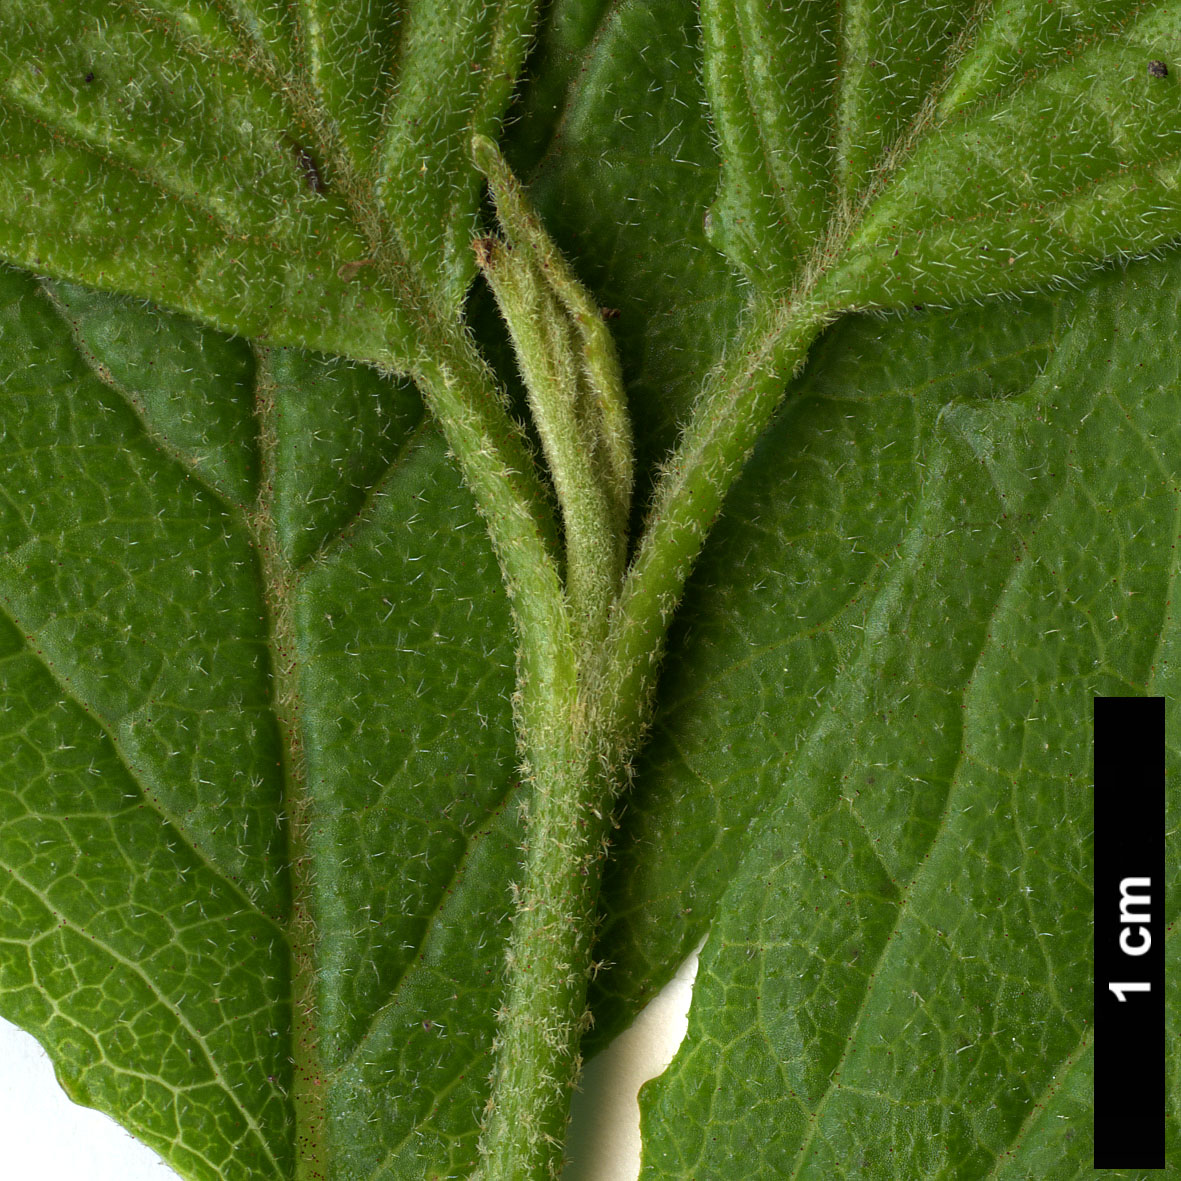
x=571, y=372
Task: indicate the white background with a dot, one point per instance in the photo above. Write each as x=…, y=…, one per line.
x=45, y=1137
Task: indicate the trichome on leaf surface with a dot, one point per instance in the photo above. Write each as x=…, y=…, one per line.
x=361, y=616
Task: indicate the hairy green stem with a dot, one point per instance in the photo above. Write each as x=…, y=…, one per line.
x=500, y=473
x=575, y=388
x=733, y=409
x=549, y=959
x=608, y=426
x=582, y=702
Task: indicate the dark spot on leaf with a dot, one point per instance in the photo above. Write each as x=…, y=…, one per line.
x=90, y=76
x=311, y=171
x=1158, y=69
x=609, y=313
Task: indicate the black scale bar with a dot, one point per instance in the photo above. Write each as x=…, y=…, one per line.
x=1129, y=933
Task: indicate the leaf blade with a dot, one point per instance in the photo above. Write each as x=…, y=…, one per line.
x=1077, y=166
x=958, y=177
x=348, y=604
x=253, y=217
x=924, y=971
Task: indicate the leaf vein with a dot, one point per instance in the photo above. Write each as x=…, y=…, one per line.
x=339, y=538
x=71, y=695
x=164, y=1000
x=460, y=868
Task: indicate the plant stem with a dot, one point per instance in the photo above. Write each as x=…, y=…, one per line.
x=575, y=387
x=582, y=702
x=499, y=471
x=549, y=956
x=549, y=959
x=580, y=741
x=733, y=409
x=596, y=548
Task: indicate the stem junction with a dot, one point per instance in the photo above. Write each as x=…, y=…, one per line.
x=591, y=627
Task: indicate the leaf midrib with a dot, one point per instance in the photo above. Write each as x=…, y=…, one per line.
x=298, y=96
x=279, y=581
x=358, y=193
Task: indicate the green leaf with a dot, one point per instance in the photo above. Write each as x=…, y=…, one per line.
x=302, y=177
x=926, y=155
x=722, y=745
x=143, y=867
x=881, y=766
x=678, y=303
x=255, y=635
x=625, y=197
x=754, y=653
x=146, y=865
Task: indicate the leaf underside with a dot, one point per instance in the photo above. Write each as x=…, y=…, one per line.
x=906, y=991
x=288, y=173
x=868, y=777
